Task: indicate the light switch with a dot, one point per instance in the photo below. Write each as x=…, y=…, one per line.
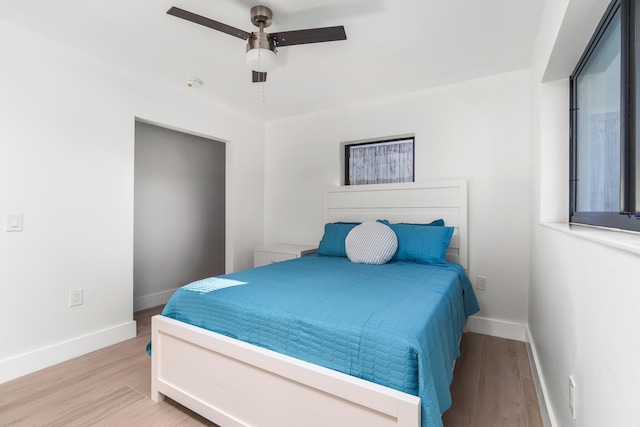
x=14, y=222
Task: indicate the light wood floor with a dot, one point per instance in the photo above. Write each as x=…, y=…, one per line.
x=111, y=387
x=492, y=385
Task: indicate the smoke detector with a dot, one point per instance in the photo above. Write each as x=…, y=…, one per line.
x=193, y=82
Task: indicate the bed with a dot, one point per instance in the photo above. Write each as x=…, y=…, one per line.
x=332, y=355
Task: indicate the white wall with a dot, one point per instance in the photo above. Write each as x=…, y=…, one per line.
x=583, y=294
x=478, y=130
x=67, y=142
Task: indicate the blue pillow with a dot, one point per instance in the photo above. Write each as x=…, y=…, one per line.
x=437, y=222
x=426, y=245
x=335, y=233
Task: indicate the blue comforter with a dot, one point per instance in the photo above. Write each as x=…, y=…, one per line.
x=396, y=324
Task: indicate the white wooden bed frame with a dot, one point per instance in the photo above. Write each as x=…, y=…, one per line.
x=246, y=385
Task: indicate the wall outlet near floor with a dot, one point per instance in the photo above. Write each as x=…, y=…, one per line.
x=572, y=397
x=75, y=297
x=481, y=283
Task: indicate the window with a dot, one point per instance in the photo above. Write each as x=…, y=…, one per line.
x=605, y=167
x=379, y=162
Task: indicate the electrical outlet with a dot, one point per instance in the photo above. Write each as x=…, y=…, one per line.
x=75, y=297
x=572, y=397
x=481, y=283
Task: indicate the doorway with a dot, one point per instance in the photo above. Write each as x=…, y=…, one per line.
x=179, y=212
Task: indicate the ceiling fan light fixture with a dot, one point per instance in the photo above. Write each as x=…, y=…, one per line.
x=261, y=60
x=261, y=52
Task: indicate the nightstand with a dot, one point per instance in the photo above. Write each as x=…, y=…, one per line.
x=264, y=255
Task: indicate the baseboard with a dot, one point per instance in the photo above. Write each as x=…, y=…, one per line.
x=546, y=411
x=36, y=360
x=498, y=328
x=153, y=300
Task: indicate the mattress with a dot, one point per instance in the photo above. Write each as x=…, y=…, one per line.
x=396, y=324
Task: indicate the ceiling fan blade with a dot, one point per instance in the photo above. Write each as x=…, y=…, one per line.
x=189, y=16
x=259, y=77
x=312, y=35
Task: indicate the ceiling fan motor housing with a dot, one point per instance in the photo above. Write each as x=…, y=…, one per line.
x=261, y=17
x=261, y=40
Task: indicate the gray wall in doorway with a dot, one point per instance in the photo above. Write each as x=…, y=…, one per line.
x=179, y=218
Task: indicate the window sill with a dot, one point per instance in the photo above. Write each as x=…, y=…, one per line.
x=626, y=240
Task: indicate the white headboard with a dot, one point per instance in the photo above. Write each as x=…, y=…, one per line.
x=413, y=202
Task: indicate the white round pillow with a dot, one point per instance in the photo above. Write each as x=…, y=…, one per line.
x=371, y=243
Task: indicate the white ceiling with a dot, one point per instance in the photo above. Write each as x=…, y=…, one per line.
x=392, y=46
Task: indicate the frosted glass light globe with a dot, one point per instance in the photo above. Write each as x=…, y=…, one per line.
x=261, y=60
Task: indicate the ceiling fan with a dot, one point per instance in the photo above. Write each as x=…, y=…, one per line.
x=261, y=46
